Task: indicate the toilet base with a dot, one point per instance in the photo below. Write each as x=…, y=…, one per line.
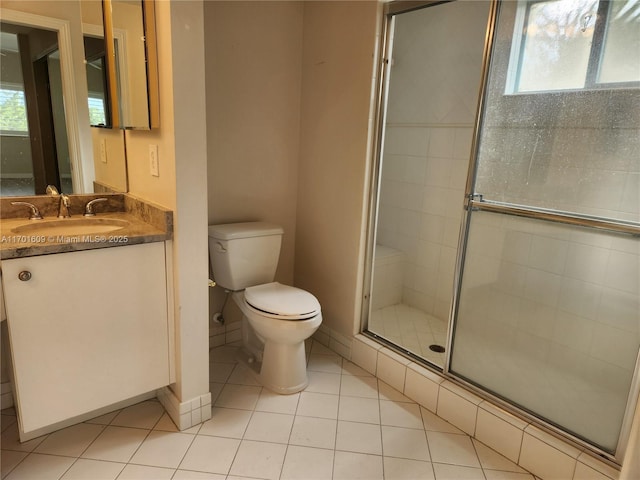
x=283, y=369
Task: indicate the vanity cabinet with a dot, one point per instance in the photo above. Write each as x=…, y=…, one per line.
x=87, y=329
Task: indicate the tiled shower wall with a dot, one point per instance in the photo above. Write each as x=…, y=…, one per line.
x=552, y=309
x=560, y=291
x=422, y=194
x=433, y=94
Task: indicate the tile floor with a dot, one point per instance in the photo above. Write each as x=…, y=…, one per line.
x=411, y=329
x=346, y=425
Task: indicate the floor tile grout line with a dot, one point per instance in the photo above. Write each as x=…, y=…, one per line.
x=128, y=462
x=28, y=453
x=335, y=440
x=433, y=469
x=381, y=436
x=185, y=452
x=473, y=445
x=286, y=451
x=16, y=465
x=235, y=455
x=104, y=427
x=137, y=465
x=27, y=456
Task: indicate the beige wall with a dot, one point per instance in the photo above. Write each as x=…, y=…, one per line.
x=337, y=72
x=288, y=109
x=113, y=172
x=253, y=73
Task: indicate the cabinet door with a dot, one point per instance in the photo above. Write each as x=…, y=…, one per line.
x=87, y=330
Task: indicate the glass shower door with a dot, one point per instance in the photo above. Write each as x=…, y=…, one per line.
x=547, y=316
x=432, y=94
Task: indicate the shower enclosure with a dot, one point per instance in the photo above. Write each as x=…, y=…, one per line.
x=432, y=95
x=533, y=267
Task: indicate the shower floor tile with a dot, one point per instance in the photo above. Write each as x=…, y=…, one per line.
x=254, y=433
x=411, y=329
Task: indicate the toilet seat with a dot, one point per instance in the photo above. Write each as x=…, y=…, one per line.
x=282, y=302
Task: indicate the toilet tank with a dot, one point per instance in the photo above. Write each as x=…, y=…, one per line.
x=244, y=254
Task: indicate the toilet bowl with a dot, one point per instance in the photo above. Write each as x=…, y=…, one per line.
x=277, y=319
x=280, y=360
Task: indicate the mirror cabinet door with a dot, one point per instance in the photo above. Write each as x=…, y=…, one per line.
x=132, y=63
x=96, y=61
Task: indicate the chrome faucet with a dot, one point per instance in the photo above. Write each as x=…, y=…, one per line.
x=35, y=213
x=63, y=208
x=88, y=209
x=52, y=190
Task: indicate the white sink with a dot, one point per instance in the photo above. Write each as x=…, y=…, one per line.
x=71, y=226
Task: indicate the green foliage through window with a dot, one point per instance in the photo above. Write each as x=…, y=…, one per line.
x=97, y=116
x=13, y=111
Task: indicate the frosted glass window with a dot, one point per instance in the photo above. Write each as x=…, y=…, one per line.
x=569, y=150
x=575, y=44
x=621, y=54
x=557, y=43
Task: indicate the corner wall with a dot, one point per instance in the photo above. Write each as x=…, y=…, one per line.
x=253, y=79
x=338, y=65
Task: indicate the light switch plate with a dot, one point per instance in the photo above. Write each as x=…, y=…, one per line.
x=153, y=160
x=103, y=150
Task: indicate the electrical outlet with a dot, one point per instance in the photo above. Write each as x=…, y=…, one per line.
x=153, y=160
x=103, y=150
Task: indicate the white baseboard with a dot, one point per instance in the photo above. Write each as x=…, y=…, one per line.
x=185, y=414
x=334, y=340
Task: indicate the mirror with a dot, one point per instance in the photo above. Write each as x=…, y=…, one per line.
x=108, y=143
x=18, y=173
x=96, y=155
x=131, y=57
x=31, y=75
x=95, y=54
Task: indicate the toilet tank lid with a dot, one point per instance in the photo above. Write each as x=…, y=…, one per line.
x=230, y=231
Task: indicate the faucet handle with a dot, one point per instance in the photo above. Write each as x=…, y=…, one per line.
x=35, y=213
x=88, y=210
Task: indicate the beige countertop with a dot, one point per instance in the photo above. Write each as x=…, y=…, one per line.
x=142, y=223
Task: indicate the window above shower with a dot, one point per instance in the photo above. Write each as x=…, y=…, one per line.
x=575, y=45
x=572, y=150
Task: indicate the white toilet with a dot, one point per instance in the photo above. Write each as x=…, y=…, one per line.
x=277, y=319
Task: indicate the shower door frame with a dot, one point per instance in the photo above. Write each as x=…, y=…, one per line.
x=474, y=202
x=392, y=9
